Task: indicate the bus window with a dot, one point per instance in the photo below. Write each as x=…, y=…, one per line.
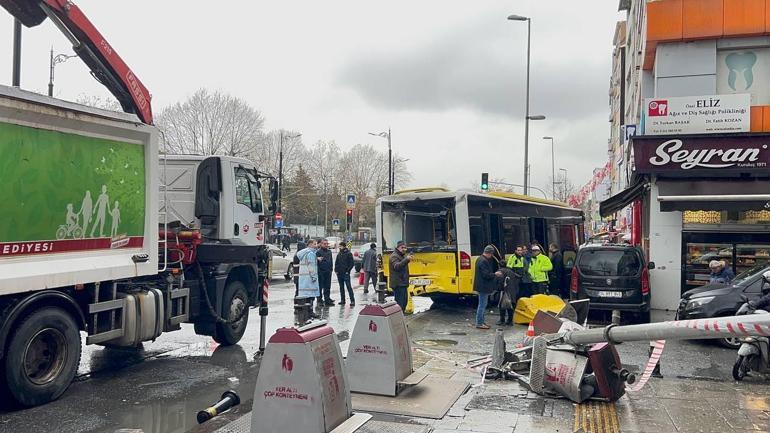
x=477, y=235
x=515, y=233
x=425, y=225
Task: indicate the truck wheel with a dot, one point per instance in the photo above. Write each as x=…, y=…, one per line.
x=43, y=357
x=235, y=301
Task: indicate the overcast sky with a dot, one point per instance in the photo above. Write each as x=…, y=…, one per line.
x=447, y=77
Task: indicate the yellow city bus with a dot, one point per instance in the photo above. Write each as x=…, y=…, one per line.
x=447, y=231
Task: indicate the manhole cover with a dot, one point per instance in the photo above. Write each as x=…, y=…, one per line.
x=507, y=403
x=392, y=427
x=436, y=343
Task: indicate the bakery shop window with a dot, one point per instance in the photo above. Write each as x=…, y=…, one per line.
x=747, y=256
x=726, y=217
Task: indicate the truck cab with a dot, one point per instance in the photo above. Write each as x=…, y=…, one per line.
x=223, y=196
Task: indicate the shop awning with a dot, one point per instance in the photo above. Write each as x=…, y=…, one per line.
x=714, y=194
x=622, y=199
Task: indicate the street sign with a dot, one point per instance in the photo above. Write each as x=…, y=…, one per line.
x=335, y=224
x=278, y=223
x=350, y=200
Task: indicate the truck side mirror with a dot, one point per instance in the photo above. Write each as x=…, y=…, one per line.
x=651, y=265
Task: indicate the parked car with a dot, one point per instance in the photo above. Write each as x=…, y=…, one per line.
x=613, y=277
x=280, y=263
x=333, y=241
x=358, y=255
x=719, y=300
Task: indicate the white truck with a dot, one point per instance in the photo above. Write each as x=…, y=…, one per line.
x=102, y=235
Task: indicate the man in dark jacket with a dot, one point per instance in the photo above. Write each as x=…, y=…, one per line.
x=370, y=267
x=556, y=275
x=485, y=282
x=398, y=280
x=325, y=272
x=342, y=266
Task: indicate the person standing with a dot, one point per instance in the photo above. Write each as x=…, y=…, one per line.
x=307, y=284
x=720, y=273
x=485, y=282
x=538, y=270
x=369, y=267
x=325, y=272
x=286, y=246
x=509, y=284
x=343, y=264
x=519, y=263
x=556, y=275
x=399, y=273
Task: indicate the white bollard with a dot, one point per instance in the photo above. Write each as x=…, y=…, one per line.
x=301, y=387
x=379, y=354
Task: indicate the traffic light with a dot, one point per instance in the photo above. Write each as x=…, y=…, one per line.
x=485, y=181
x=350, y=216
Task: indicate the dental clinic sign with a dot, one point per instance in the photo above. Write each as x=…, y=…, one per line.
x=702, y=153
x=697, y=114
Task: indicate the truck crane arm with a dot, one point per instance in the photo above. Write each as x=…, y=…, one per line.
x=103, y=61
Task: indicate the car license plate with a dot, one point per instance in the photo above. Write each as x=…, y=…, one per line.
x=609, y=294
x=419, y=282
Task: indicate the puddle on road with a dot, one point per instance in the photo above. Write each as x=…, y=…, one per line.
x=436, y=342
x=457, y=333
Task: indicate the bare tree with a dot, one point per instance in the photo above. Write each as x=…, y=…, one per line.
x=564, y=187
x=105, y=103
x=211, y=123
x=266, y=153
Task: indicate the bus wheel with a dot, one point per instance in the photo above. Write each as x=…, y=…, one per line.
x=43, y=357
x=236, y=305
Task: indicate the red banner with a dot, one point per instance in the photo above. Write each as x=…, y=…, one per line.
x=50, y=247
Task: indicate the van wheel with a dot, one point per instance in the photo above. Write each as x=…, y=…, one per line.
x=289, y=273
x=235, y=304
x=43, y=357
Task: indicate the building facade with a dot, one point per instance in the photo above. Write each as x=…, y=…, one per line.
x=694, y=147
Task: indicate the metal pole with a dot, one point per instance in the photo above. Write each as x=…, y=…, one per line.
x=750, y=324
x=50, y=78
x=390, y=166
x=280, y=174
x=553, y=171
x=16, y=53
x=526, y=117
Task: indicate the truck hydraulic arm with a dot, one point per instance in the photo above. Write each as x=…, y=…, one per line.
x=105, y=63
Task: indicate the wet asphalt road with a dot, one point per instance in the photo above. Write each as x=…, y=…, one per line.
x=160, y=387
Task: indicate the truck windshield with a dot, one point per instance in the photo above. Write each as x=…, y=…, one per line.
x=425, y=225
x=247, y=190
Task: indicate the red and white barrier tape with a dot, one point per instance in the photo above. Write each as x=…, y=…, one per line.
x=657, y=350
x=736, y=327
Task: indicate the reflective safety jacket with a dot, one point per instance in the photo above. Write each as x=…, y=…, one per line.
x=539, y=267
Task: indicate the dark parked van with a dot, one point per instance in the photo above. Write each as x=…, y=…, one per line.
x=613, y=277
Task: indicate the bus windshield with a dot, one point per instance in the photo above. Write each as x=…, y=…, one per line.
x=425, y=225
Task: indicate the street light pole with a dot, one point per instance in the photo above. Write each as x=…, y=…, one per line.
x=391, y=174
x=527, y=116
x=564, y=184
x=280, y=173
x=60, y=58
x=391, y=177
x=16, y=78
x=553, y=168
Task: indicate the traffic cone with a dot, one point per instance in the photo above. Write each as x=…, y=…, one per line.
x=530, y=334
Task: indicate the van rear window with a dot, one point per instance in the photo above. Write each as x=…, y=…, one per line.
x=610, y=263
